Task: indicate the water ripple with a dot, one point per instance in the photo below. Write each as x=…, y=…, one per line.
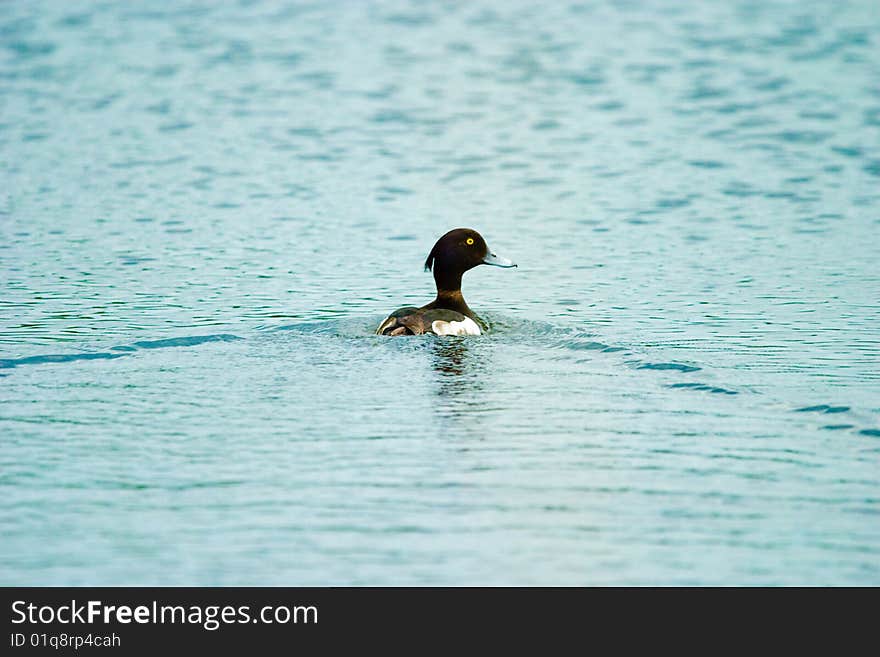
x=188, y=341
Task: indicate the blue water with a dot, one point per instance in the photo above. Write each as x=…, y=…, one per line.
x=206, y=208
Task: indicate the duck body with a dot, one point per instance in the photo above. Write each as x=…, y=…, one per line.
x=418, y=321
x=456, y=252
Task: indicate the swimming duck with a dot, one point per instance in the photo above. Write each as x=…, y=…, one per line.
x=456, y=252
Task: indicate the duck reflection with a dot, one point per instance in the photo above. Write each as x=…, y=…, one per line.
x=459, y=367
x=451, y=356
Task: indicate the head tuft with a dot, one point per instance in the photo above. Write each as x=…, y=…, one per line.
x=429, y=261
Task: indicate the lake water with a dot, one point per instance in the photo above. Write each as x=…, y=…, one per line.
x=206, y=209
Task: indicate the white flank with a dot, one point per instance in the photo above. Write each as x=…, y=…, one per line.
x=467, y=326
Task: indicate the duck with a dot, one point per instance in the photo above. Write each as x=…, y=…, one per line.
x=458, y=251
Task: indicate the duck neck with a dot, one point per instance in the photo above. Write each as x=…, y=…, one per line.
x=449, y=294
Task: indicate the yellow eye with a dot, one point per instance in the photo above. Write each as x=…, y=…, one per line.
x=470, y=240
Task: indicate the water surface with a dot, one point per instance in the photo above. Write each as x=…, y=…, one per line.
x=206, y=208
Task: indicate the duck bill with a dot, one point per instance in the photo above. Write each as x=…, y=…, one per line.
x=498, y=261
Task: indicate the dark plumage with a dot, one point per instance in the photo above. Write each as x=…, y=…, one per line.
x=456, y=252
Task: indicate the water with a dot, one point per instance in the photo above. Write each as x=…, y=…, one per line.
x=205, y=210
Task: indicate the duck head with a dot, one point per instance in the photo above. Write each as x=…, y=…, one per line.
x=455, y=253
